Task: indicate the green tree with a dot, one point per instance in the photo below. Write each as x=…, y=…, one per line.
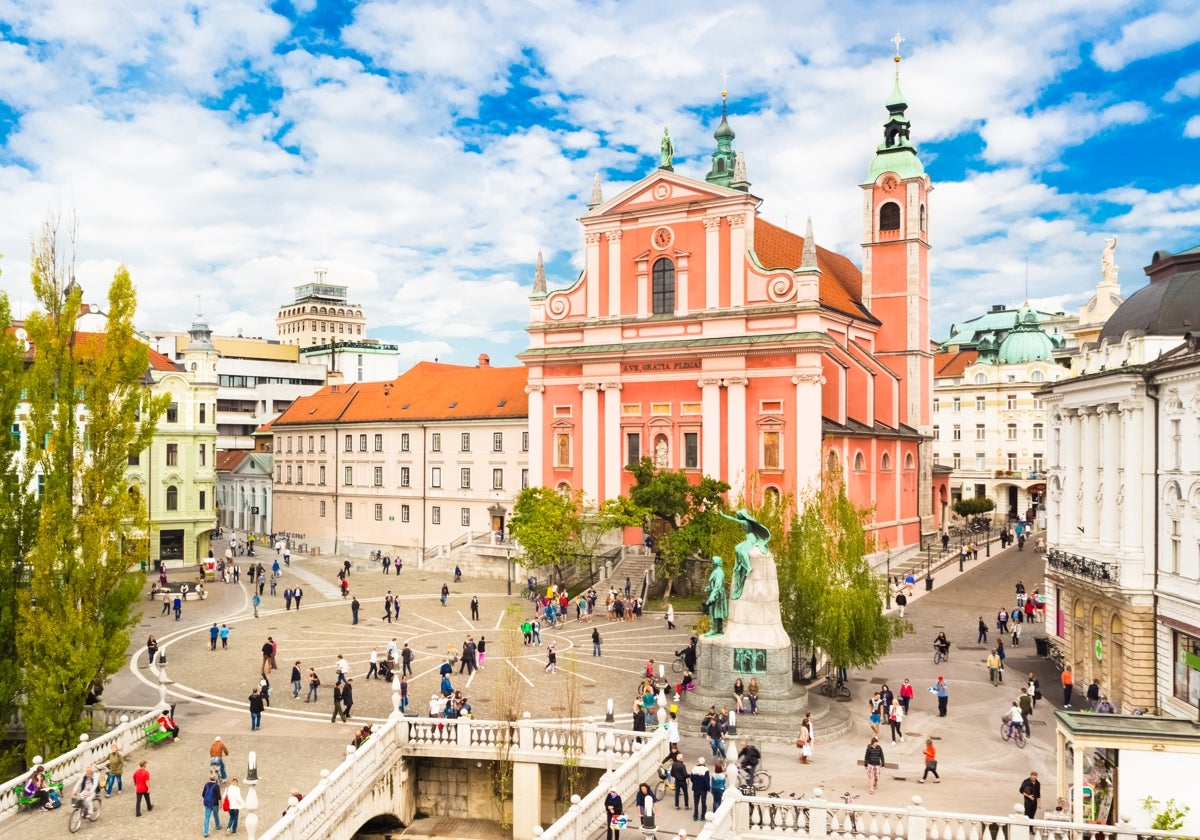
x=88, y=412
x=545, y=524
x=597, y=522
x=687, y=512
x=974, y=506
x=830, y=597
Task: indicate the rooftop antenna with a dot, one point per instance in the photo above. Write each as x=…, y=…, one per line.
x=1027, y=278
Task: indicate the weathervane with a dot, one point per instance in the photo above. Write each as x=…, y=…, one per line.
x=724, y=79
x=897, y=39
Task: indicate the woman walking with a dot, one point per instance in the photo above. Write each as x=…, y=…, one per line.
x=876, y=704
x=930, y=762
x=895, y=719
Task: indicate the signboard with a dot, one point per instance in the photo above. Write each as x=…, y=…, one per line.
x=750, y=660
x=665, y=365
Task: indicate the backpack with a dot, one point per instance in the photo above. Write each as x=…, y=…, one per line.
x=211, y=794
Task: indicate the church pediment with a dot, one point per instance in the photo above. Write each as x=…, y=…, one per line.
x=662, y=189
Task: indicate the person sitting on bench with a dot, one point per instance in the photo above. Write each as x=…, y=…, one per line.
x=168, y=725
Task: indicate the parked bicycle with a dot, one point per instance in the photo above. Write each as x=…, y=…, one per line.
x=834, y=686
x=1056, y=657
x=666, y=784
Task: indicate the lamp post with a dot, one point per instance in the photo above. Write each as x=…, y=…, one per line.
x=888, y=592
x=988, y=544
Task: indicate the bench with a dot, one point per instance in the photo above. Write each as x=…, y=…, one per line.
x=155, y=734
x=24, y=801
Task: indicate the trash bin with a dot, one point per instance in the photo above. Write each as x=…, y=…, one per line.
x=928, y=583
x=1042, y=644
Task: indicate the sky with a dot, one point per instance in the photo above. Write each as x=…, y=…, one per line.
x=423, y=152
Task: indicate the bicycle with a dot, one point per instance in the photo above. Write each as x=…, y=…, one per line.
x=1014, y=732
x=940, y=654
x=678, y=666
x=835, y=687
x=758, y=782
x=1056, y=657
x=666, y=784
x=76, y=817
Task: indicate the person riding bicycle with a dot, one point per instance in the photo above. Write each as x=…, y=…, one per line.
x=748, y=759
x=87, y=789
x=942, y=644
x=688, y=654
x=1016, y=721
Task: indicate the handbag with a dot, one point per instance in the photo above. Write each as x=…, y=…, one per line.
x=931, y=765
x=225, y=803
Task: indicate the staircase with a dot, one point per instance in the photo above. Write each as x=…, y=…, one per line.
x=636, y=562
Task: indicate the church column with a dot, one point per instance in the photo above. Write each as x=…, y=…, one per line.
x=737, y=260
x=590, y=423
x=614, y=273
x=612, y=441
x=710, y=410
x=1089, y=484
x=1069, y=514
x=736, y=435
x=807, y=437
x=1110, y=443
x=593, y=274
x=1134, y=419
x=712, y=262
x=681, y=286
x=536, y=434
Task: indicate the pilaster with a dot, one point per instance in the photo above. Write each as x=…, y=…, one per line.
x=712, y=262
x=710, y=410
x=612, y=440
x=737, y=260
x=736, y=434
x=593, y=274
x=590, y=428
x=536, y=433
x=614, y=273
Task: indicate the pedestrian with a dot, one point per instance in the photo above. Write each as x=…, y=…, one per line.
x=211, y=797
x=233, y=798
x=481, y=649
x=679, y=774
x=314, y=682
x=1068, y=683
x=901, y=602
x=876, y=714
x=752, y=695
x=213, y=633
x=445, y=593
x=264, y=688
x=1031, y=792
x=152, y=650
x=647, y=805
x=551, y=660
x=337, y=702
x=1093, y=694
x=216, y=755
x=671, y=620
x=399, y=563
x=387, y=607
x=141, y=788
x=1104, y=707
x=1002, y=621
x=297, y=679
x=1034, y=688
x=287, y=598
x=873, y=760
x=116, y=770
x=256, y=710
x=373, y=664
x=895, y=720
x=256, y=600
x=614, y=814
x=1016, y=634
x=403, y=694
x=983, y=631
x=297, y=593
x=406, y=659
x=906, y=695
x=224, y=637
x=595, y=641
x=1025, y=702
x=993, y=666
x=347, y=699
x=701, y=784
x=178, y=606
x=1000, y=653
x=386, y=562
x=267, y=650
x=354, y=605
x=942, y=690
x=717, y=783
x=930, y=762
x=802, y=744
x=474, y=608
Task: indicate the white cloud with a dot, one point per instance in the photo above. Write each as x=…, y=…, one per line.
x=1192, y=127
x=1186, y=87
x=1156, y=33
x=1041, y=136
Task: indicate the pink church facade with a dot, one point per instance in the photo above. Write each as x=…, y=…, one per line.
x=711, y=340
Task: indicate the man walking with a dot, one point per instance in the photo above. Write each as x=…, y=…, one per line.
x=701, y=784
x=347, y=699
x=141, y=786
x=337, y=702
x=211, y=797
x=1031, y=792
x=267, y=651
x=297, y=593
x=679, y=774
x=354, y=610
x=993, y=666
x=343, y=669
x=213, y=632
x=942, y=690
x=983, y=631
x=256, y=710
x=595, y=641
x=406, y=658
x=216, y=755
x=297, y=678
x=314, y=682
x=873, y=760
x=373, y=664
x=474, y=608
x=1068, y=684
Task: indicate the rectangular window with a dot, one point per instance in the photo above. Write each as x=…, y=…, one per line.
x=435, y=442
x=465, y=516
x=299, y=474
x=1011, y=460
x=497, y=441
x=981, y=403
x=377, y=476
x=135, y=460
x=465, y=441
x=349, y=447
x=173, y=413
x=322, y=444
x=278, y=474
x=321, y=475
x=937, y=432
x=203, y=413
x=289, y=444
x=203, y=500
x=937, y=405
x=172, y=454
x=497, y=479
x=435, y=515
x=772, y=458
x=1038, y=431
x=349, y=510
x=362, y=443
x=322, y=510
x=405, y=512
x=348, y=476
x=956, y=461
x=289, y=474
x=1037, y=403
x=310, y=444
x=691, y=450
x=980, y=431
x=1010, y=431
x=957, y=404
x=1187, y=668
x=435, y=477
x=524, y=479
x=405, y=476
x=203, y=454
x=1037, y=462
x=378, y=513
x=378, y=443
x=464, y=478
x=956, y=432
x=404, y=442
x=1176, y=446
x=633, y=448
x=981, y=461
x=524, y=441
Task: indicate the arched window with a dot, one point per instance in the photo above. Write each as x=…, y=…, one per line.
x=1038, y=376
x=885, y=463
x=172, y=498
x=663, y=286
x=981, y=378
x=922, y=218
x=860, y=463
x=831, y=463
x=889, y=216
x=771, y=497
x=908, y=461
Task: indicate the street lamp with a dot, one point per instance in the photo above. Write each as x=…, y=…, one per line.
x=888, y=591
x=988, y=548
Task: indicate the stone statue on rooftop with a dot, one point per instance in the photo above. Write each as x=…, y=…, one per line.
x=667, y=151
x=1108, y=266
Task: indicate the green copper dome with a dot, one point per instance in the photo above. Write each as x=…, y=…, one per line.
x=896, y=153
x=1027, y=342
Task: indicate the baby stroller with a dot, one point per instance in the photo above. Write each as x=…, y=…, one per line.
x=385, y=670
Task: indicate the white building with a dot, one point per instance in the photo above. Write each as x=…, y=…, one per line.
x=1123, y=529
x=320, y=314
x=244, y=480
x=356, y=361
x=403, y=465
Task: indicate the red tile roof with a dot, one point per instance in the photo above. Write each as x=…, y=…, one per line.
x=953, y=364
x=229, y=459
x=841, y=281
x=426, y=392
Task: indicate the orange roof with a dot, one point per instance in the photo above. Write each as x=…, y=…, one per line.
x=228, y=459
x=426, y=392
x=953, y=364
x=841, y=281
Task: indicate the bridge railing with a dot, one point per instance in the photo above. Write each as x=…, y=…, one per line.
x=65, y=767
x=531, y=740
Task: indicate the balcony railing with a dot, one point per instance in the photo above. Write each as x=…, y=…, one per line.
x=1080, y=566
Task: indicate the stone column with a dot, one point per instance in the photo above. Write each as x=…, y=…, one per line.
x=736, y=434
x=807, y=437
x=590, y=429
x=1069, y=518
x=593, y=274
x=612, y=441
x=712, y=262
x=527, y=799
x=1110, y=482
x=1089, y=473
x=737, y=260
x=710, y=408
x=536, y=434
x=614, y=273
x=1131, y=536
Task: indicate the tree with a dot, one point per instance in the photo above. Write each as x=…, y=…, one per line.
x=596, y=522
x=830, y=597
x=88, y=412
x=687, y=511
x=974, y=506
x=544, y=523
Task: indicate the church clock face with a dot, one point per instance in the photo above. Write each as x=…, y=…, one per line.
x=662, y=238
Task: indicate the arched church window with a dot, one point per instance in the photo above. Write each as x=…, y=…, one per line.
x=720, y=164
x=908, y=461
x=885, y=463
x=860, y=463
x=831, y=463
x=981, y=379
x=922, y=218
x=663, y=286
x=889, y=216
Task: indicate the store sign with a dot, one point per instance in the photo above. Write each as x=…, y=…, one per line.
x=1099, y=648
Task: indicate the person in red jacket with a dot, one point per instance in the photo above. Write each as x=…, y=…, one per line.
x=141, y=785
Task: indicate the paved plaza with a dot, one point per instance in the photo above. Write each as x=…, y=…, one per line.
x=297, y=740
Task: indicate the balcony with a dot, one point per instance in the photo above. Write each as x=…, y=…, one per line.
x=1084, y=567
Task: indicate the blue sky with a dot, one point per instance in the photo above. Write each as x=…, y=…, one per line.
x=424, y=154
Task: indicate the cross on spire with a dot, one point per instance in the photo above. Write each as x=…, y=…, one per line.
x=897, y=39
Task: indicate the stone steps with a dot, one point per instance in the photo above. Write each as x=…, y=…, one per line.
x=831, y=719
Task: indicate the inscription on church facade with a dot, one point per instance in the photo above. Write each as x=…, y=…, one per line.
x=651, y=367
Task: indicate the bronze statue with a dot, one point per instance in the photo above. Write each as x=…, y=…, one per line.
x=716, y=606
x=757, y=536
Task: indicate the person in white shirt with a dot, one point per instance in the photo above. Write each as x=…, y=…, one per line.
x=343, y=669
x=373, y=664
x=1017, y=721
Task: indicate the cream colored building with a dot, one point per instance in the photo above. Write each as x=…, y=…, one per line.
x=320, y=314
